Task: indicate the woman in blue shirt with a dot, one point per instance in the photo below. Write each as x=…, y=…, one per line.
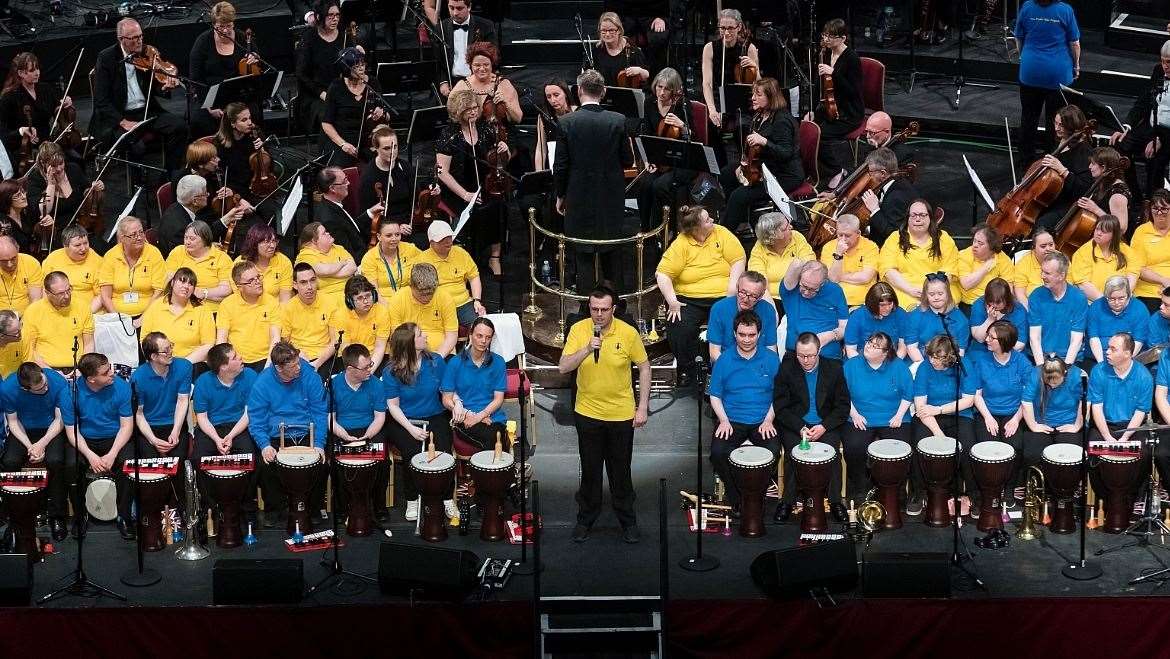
x=1050, y=56
x=880, y=313
x=880, y=392
x=1115, y=312
x=1052, y=409
x=473, y=389
x=997, y=303
x=926, y=321
x=1001, y=375
x=937, y=410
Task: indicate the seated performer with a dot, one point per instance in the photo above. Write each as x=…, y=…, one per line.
x=359, y=407
x=880, y=393
x=1110, y=193
x=57, y=187
x=388, y=263
x=387, y=169
x=236, y=141
x=216, y=55
x=458, y=275
x=80, y=263
x=741, y=396
x=14, y=344
x=133, y=272
x=1000, y=375
x=1120, y=392
x=1103, y=256
x=163, y=384
x=890, y=201
x=308, y=320
x=1146, y=131
x=211, y=265
x=220, y=404
x=473, y=388
x=38, y=407
x=1027, y=277
x=261, y=248
x=937, y=314
x=997, y=303
x=1153, y=250
x=667, y=107
x=183, y=318
x=1070, y=164
x=750, y=295
x=1052, y=408
x=352, y=234
x=1114, y=312
x=20, y=276
x=978, y=264
x=920, y=246
x=332, y=264
x=942, y=405
x=852, y=260
x=814, y=304
x=363, y=321
x=879, y=313
x=58, y=328
x=777, y=244
x=1057, y=313
x=190, y=204
x=249, y=319
x=1158, y=329
x=648, y=20
x=428, y=307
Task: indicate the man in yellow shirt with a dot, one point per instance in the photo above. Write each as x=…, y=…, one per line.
x=80, y=263
x=431, y=309
x=307, y=320
x=457, y=271
x=331, y=263
x=601, y=350
x=133, y=273
x=20, y=277
x=363, y=321
x=14, y=343
x=59, y=328
x=1027, y=269
x=852, y=260
x=249, y=319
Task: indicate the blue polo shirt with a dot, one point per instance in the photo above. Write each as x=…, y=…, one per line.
x=862, y=324
x=1045, y=32
x=1002, y=384
x=925, y=325
x=223, y=404
x=744, y=386
x=37, y=411
x=1061, y=406
x=296, y=404
x=355, y=407
x=720, y=331
x=1103, y=323
x=102, y=411
x=157, y=395
x=939, y=386
x=821, y=313
x=476, y=385
x=1018, y=317
x=1158, y=329
x=811, y=417
x=1057, y=318
x=1125, y=396
x=877, y=393
x=419, y=399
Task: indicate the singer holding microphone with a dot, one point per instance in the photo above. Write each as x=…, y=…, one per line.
x=601, y=350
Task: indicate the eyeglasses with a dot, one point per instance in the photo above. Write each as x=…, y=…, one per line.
x=1159, y=210
x=10, y=335
x=728, y=28
x=137, y=235
x=166, y=353
x=600, y=309
x=876, y=132
x=751, y=296
x=367, y=367
x=922, y=215
x=65, y=292
x=135, y=37
x=336, y=183
x=608, y=30
x=250, y=282
x=811, y=290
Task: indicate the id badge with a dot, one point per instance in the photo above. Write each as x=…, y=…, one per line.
x=130, y=297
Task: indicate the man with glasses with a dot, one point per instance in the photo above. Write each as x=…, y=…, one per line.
x=350, y=232
x=307, y=321
x=102, y=434
x=852, y=260
x=889, y=202
x=79, y=262
x=20, y=277
x=1147, y=127
x=750, y=295
x=133, y=272
x=14, y=344
x=1151, y=245
x=58, y=327
x=190, y=205
x=423, y=304
x=359, y=407
x=601, y=349
x=362, y=321
x=163, y=385
x=814, y=304
x=249, y=319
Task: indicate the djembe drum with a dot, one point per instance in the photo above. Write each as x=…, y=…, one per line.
x=889, y=467
x=751, y=469
x=154, y=490
x=297, y=468
x=814, y=467
x=1119, y=474
x=936, y=458
x=434, y=479
x=228, y=487
x=357, y=477
x=1061, y=466
x=24, y=503
x=492, y=478
x=992, y=464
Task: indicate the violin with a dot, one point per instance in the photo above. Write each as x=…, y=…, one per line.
x=745, y=74
x=242, y=66
x=750, y=170
x=263, y=181
x=27, y=152
x=828, y=95
x=89, y=215
x=44, y=243
x=151, y=61
x=1076, y=227
x=376, y=218
x=1015, y=214
x=497, y=182
x=225, y=204
x=226, y=243
x=625, y=79
x=426, y=204
x=351, y=35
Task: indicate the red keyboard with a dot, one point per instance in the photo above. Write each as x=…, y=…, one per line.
x=26, y=478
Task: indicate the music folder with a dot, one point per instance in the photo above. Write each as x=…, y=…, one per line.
x=250, y=89
x=665, y=152
x=427, y=123
x=735, y=97
x=405, y=77
x=623, y=100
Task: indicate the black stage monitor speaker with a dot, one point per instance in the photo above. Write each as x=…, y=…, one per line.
x=435, y=571
x=257, y=581
x=15, y=580
x=906, y=574
x=796, y=571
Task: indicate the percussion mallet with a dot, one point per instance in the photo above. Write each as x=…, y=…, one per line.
x=430, y=446
x=282, y=425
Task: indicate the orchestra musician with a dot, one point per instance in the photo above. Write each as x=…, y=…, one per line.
x=56, y=187
x=364, y=321
x=615, y=54
x=391, y=171
x=133, y=273
x=1113, y=197
x=235, y=142
x=1115, y=312
x=351, y=233
x=190, y=203
x=1071, y=164
x=1153, y=250
x=352, y=109
x=843, y=65
x=13, y=204
x=14, y=344
x=920, y=246
x=316, y=62
x=750, y=295
x=1028, y=277
x=668, y=107
x=889, y=202
x=997, y=303
x=880, y=392
x=777, y=244
x=307, y=321
x=1103, y=256
x=978, y=264
x=879, y=312
x=814, y=304
x=261, y=250
x=1146, y=131
x=183, y=318
x=456, y=272
x=58, y=326
x=473, y=389
x=1057, y=313
x=388, y=263
x=483, y=58
x=202, y=160
x=209, y=263
x=879, y=128
x=23, y=89
x=249, y=319
x=423, y=304
x=1050, y=56
x=163, y=383
x=359, y=404
x=80, y=263
x=458, y=33
x=558, y=101
x=216, y=56
x=937, y=412
x=650, y=22
x=852, y=260
x=719, y=69
x=220, y=401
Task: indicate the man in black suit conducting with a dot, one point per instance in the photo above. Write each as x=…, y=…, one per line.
x=120, y=97
x=588, y=167
x=458, y=32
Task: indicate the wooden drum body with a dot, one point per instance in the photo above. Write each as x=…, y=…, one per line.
x=1061, y=466
x=357, y=477
x=936, y=457
x=992, y=464
x=889, y=467
x=24, y=503
x=751, y=469
x=297, y=470
x=153, y=492
x=492, y=478
x=814, y=466
x=228, y=487
x=1118, y=474
x=434, y=480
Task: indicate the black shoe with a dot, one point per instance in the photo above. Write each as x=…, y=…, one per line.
x=631, y=535
x=580, y=533
x=734, y=513
x=80, y=525
x=685, y=379
x=783, y=512
x=58, y=528
x=125, y=529
x=839, y=512
x=382, y=519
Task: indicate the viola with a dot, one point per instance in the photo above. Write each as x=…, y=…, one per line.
x=745, y=74
x=1076, y=227
x=44, y=244
x=751, y=168
x=426, y=204
x=828, y=94
x=666, y=130
x=625, y=79
x=27, y=151
x=263, y=181
x=376, y=218
x=243, y=66
x=497, y=183
x=89, y=215
x=151, y=61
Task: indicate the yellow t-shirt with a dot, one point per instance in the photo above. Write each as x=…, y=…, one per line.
x=604, y=391
x=365, y=330
x=702, y=269
x=14, y=354
x=210, y=270
x=1003, y=268
x=306, y=326
x=917, y=262
x=132, y=290
x=332, y=288
x=51, y=331
x=277, y=276
x=14, y=287
x=1086, y=267
x=1154, y=252
x=434, y=318
x=389, y=276
x=773, y=265
x=249, y=326
x=83, y=276
x=863, y=255
x=455, y=272
x=1027, y=273
x=188, y=330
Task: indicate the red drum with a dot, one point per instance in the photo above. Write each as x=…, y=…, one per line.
x=492, y=478
x=889, y=467
x=992, y=464
x=1061, y=466
x=228, y=487
x=296, y=468
x=1118, y=474
x=357, y=477
x=751, y=470
x=24, y=503
x=434, y=480
x=814, y=466
x=936, y=456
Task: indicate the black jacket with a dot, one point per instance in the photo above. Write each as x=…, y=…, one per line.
x=589, y=171
x=479, y=29
x=337, y=221
x=1141, y=116
x=174, y=222
x=790, y=400
x=895, y=205
x=781, y=154
x=109, y=93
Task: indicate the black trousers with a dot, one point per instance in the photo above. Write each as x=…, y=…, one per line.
x=856, y=448
x=721, y=451
x=791, y=440
x=957, y=427
x=1016, y=441
x=683, y=335
x=101, y=447
x=58, y=462
x=170, y=128
x=608, y=445
x=275, y=498
x=242, y=443
x=408, y=447
x=740, y=198
x=1032, y=101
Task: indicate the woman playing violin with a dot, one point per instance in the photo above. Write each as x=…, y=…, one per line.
x=351, y=111
x=389, y=170
x=558, y=101
x=235, y=142
x=665, y=112
x=483, y=58
x=721, y=57
x=1072, y=164
x=56, y=188
x=215, y=57
x=23, y=88
x=843, y=65
x=616, y=54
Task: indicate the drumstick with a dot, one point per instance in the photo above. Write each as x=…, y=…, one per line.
x=430, y=446
x=695, y=500
x=499, y=448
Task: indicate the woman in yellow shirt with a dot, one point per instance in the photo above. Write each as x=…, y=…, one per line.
x=80, y=263
x=387, y=264
x=330, y=261
x=210, y=264
x=1101, y=258
x=1151, y=243
x=1027, y=277
x=919, y=247
x=182, y=317
x=983, y=261
x=260, y=247
x=776, y=245
x=133, y=273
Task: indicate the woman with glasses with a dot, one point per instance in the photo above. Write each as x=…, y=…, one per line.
x=978, y=264
x=209, y=263
x=720, y=57
x=13, y=202
x=1152, y=247
x=1115, y=312
x=937, y=314
x=1105, y=255
x=880, y=392
x=316, y=65
x=362, y=320
x=880, y=313
x=944, y=393
x=388, y=263
x=133, y=273
x=997, y=304
x=776, y=247
x=183, y=318
x=920, y=246
x=841, y=62
x=352, y=110
x=615, y=54
x=260, y=249
x=215, y=56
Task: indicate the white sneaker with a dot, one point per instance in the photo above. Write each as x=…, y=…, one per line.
x=411, y=510
x=450, y=509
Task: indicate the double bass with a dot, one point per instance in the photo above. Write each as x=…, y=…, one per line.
x=1076, y=227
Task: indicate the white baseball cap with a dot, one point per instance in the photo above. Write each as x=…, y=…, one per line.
x=439, y=230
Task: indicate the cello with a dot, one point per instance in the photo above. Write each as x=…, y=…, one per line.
x=1076, y=227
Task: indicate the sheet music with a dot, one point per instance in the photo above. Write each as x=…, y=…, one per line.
x=289, y=209
x=552, y=154
x=123, y=137
x=125, y=211
x=978, y=184
x=779, y=197
x=466, y=214
x=794, y=101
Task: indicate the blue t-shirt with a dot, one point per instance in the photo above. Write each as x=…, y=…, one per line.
x=811, y=417
x=744, y=386
x=355, y=408
x=877, y=393
x=1103, y=323
x=1045, y=32
x=296, y=404
x=476, y=385
x=719, y=323
x=102, y=411
x=38, y=411
x=862, y=325
x=1120, y=398
x=157, y=395
x=1018, y=317
x=420, y=399
x=925, y=325
x=939, y=386
x=1061, y=407
x=821, y=313
x=1058, y=318
x=223, y=404
x=1002, y=384
x=1158, y=329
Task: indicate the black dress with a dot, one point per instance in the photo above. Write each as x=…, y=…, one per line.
x=469, y=170
x=345, y=113
x=316, y=68
x=43, y=108
x=397, y=197
x=66, y=206
x=233, y=162
x=210, y=68
x=663, y=188
x=1076, y=184
x=610, y=65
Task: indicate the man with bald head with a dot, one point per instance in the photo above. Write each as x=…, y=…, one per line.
x=20, y=277
x=59, y=327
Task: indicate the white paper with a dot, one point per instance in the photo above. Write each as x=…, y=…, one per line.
x=794, y=101
x=552, y=154
x=712, y=164
x=289, y=210
x=125, y=211
x=466, y=214
x=779, y=197
x=978, y=184
x=5, y=163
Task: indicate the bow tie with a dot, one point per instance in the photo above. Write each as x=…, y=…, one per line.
x=463, y=27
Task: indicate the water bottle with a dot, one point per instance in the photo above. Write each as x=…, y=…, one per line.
x=803, y=440
x=297, y=536
x=546, y=272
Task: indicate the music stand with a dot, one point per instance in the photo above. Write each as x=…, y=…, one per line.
x=734, y=98
x=426, y=124
x=623, y=100
x=250, y=90
x=1107, y=119
x=406, y=78
x=665, y=152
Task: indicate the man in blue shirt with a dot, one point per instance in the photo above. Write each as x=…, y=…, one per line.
x=221, y=415
x=38, y=406
x=163, y=385
x=1057, y=313
x=359, y=405
x=1119, y=394
x=751, y=291
x=814, y=304
x=1158, y=330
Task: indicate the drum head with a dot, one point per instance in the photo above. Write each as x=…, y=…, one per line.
x=355, y=462
x=1063, y=454
x=101, y=499
x=442, y=462
x=816, y=453
x=1120, y=459
x=297, y=458
x=889, y=449
x=225, y=473
x=992, y=451
x=486, y=461
x=938, y=446
x=19, y=489
x=147, y=478
x=751, y=456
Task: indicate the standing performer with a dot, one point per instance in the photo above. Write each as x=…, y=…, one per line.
x=843, y=110
x=216, y=56
x=458, y=32
x=351, y=111
x=1050, y=56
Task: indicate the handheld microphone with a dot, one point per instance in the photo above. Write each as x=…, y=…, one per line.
x=596, y=335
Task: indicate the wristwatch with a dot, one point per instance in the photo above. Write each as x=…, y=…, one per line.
x=838, y=257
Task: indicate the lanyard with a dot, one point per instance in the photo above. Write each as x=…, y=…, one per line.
x=389, y=272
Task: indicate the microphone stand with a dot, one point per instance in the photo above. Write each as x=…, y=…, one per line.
x=143, y=576
x=345, y=580
x=697, y=562
x=587, y=58
x=81, y=586
x=524, y=567
x=1083, y=569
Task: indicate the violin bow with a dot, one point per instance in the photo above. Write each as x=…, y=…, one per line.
x=1011, y=159
x=61, y=105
